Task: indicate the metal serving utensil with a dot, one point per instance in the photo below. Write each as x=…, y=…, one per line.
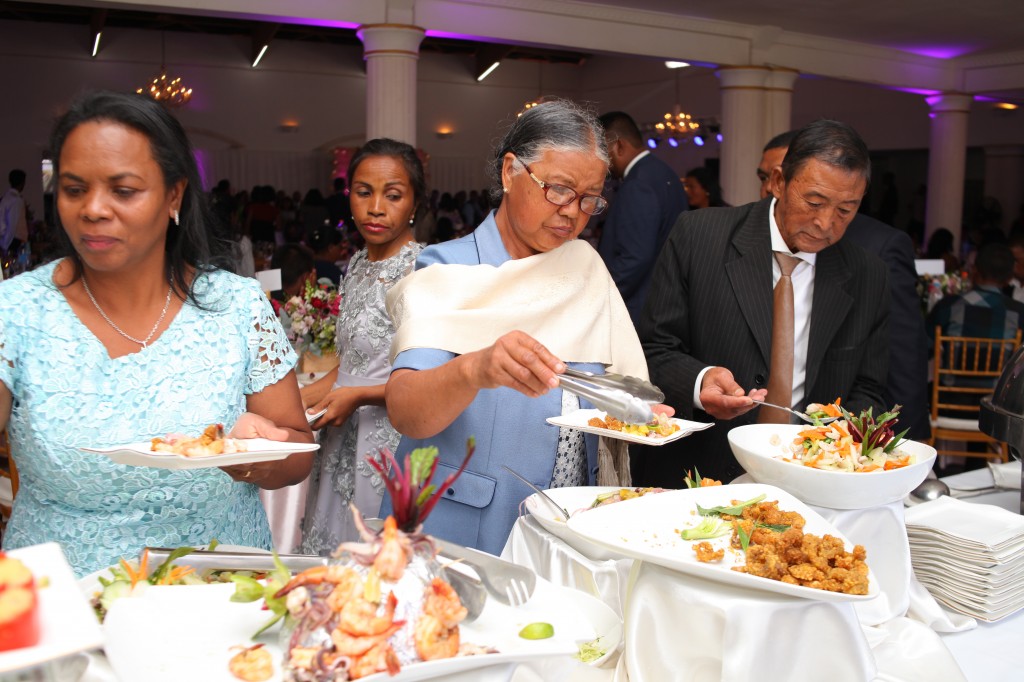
x=543, y=495
x=644, y=390
x=615, y=401
x=802, y=415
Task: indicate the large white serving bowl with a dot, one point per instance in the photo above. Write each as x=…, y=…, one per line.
x=752, y=446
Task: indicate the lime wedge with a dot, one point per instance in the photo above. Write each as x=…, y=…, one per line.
x=537, y=631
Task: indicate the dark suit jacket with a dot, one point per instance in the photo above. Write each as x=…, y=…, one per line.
x=710, y=304
x=907, y=384
x=641, y=215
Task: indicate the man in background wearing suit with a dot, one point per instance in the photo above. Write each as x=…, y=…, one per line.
x=707, y=324
x=907, y=383
x=642, y=213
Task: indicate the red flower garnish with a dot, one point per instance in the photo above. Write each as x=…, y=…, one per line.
x=413, y=497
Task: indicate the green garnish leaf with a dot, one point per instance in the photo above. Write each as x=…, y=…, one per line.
x=163, y=568
x=742, y=535
x=709, y=527
x=776, y=527
x=735, y=510
x=213, y=545
x=421, y=461
x=246, y=589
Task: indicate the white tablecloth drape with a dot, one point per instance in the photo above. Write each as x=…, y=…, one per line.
x=683, y=628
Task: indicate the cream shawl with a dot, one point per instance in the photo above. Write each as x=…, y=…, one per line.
x=565, y=298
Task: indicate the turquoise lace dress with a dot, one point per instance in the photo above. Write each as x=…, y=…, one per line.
x=68, y=393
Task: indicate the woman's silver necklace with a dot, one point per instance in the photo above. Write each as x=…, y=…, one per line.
x=142, y=342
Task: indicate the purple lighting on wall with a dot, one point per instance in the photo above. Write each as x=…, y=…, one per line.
x=919, y=91
x=324, y=23
x=937, y=51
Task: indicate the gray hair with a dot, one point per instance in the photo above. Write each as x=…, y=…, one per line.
x=553, y=125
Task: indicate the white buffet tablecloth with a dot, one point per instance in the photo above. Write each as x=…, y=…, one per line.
x=682, y=628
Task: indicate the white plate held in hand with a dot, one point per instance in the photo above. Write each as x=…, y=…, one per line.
x=256, y=450
x=578, y=420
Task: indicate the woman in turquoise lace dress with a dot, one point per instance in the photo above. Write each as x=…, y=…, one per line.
x=138, y=332
x=387, y=186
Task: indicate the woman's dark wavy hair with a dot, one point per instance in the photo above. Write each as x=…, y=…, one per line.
x=708, y=180
x=385, y=146
x=197, y=242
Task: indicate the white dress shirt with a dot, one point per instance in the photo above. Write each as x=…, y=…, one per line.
x=803, y=294
x=629, y=166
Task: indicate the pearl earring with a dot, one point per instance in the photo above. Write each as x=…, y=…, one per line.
x=412, y=220
x=174, y=215
x=505, y=190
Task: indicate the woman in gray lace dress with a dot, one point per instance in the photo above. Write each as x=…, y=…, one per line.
x=387, y=187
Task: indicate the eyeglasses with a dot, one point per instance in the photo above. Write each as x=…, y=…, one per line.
x=560, y=195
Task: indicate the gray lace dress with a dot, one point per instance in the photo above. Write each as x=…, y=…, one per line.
x=340, y=473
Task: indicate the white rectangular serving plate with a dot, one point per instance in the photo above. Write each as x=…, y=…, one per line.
x=199, y=626
x=648, y=529
x=67, y=622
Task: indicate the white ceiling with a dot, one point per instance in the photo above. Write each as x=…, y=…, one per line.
x=939, y=28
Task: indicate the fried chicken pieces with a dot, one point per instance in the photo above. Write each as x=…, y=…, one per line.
x=795, y=557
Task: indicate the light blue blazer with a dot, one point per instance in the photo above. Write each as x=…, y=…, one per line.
x=479, y=509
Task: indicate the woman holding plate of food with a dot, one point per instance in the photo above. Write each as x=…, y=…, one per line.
x=487, y=323
x=387, y=188
x=138, y=331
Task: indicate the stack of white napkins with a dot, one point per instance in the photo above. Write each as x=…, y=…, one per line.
x=969, y=556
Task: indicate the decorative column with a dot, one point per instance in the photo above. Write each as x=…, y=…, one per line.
x=743, y=126
x=1004, y=179
x=947, y=159
x=778, y=102
x=391, y=52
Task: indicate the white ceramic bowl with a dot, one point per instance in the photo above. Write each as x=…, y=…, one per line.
x=751, y=444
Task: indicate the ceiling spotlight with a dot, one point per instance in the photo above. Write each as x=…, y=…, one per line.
x=673, y=142
x=676, y=65
x=1006, y=106
x=718, y=137
x=698, y=140
x=487, y=71
x=652, y=142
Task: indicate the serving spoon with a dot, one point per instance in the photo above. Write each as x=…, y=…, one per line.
x=802, y=415
x=930, y=489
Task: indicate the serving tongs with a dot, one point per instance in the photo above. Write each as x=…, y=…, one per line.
x=626, y=398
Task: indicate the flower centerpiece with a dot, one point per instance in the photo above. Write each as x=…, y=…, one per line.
x=309, y=320
x=932, y=288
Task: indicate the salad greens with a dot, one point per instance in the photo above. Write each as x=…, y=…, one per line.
x=735, y=510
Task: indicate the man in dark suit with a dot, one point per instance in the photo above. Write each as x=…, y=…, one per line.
x=707, y=324
x=907, y=383
x=649, y=199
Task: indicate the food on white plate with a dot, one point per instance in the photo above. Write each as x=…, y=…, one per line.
x=132, y=577
x=383, y=603
x=590, y=651
x=860, y=444
x=659, y=427
x=19, y=605
x=212, y=442
x=622, y=494
x=252, y=664
x=775, y=547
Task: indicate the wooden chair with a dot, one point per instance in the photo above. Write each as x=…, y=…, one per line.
x=966, y=369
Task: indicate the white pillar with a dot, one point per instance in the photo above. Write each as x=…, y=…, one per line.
x=779, y=101
x=947, y=163
x=391, y=52
x=1004, y=179
x=743, y=112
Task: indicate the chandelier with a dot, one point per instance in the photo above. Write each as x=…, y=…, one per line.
x=165, y=89
x=676, y=127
